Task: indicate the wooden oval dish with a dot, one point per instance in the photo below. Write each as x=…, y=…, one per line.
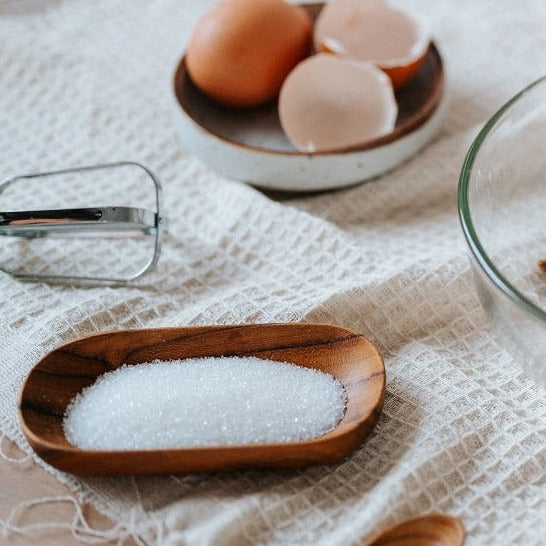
x=427, y=530
x=64, y=372
x=249, y=144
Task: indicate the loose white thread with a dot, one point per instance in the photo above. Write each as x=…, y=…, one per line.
x=78, y=526
x=25, y=458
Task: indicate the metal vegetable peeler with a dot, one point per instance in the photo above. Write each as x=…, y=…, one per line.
x=87, y=243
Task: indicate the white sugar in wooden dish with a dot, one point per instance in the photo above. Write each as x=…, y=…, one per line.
x=204, y=402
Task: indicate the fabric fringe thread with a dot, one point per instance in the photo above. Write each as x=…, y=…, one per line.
x=23, y=459
x=79, y=526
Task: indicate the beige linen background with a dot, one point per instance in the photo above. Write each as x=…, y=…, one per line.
x=463, y=430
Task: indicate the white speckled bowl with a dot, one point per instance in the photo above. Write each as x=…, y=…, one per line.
x=250, y=146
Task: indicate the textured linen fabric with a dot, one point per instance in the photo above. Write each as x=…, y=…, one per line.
x=462, y=430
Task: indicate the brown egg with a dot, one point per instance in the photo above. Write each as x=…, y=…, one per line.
x=242, y=50
x=372, y=30
x=329, y=103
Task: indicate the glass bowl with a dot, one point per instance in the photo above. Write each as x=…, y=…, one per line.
x=502, y=208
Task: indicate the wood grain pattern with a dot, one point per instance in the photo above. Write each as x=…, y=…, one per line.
x=64, y=372
x=417, y=101
x=428, y=530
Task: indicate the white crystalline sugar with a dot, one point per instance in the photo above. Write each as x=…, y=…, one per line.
x=204, y=402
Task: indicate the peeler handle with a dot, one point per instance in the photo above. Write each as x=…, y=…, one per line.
x=109, y=221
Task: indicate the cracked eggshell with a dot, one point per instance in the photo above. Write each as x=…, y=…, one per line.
x=373, y=31
x=329, y=103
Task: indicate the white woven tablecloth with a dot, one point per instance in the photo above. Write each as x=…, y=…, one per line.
x=462, y=431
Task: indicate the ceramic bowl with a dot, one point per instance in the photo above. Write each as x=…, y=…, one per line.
x=250, y=146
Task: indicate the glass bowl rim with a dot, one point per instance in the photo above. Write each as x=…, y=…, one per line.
x=483, y=260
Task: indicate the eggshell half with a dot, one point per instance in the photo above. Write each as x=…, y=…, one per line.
x=329, y=103
x=373, y=31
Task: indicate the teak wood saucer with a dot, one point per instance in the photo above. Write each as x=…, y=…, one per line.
x=63, y=373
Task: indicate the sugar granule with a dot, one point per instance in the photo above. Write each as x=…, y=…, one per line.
x=204, y=402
